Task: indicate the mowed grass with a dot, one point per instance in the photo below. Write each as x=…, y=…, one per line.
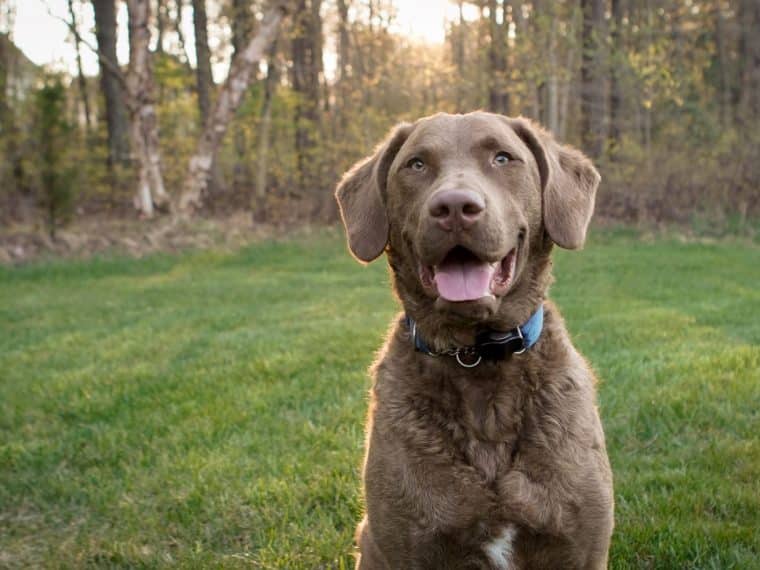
x=206, y=410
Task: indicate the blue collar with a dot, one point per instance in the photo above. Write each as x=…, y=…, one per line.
x=489, y=344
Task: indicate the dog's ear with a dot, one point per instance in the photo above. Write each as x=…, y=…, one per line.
x=569, y=182
x=361, y=197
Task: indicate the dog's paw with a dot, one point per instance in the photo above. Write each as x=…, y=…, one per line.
x=529, y=503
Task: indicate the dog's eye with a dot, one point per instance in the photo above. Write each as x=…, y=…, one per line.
x=416, y=164
x=501, y=158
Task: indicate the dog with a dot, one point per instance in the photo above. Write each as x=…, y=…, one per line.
x=484, y=445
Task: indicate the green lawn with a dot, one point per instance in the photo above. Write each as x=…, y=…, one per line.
x=206, y=410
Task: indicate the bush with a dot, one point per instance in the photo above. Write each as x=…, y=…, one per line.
x=52, y=133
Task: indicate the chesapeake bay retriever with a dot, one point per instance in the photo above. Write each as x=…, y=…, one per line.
x=484, y=446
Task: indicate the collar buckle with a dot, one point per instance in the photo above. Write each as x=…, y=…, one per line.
x=522, y=341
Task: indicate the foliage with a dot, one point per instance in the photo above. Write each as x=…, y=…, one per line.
x=228, y=434
x=680, y=68
x=53, y=133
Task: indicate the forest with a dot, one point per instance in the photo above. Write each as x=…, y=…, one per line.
x=270, y=101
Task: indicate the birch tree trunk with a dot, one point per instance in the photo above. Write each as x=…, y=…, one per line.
x=144, y=122
x=231, y=95
x=179, y=7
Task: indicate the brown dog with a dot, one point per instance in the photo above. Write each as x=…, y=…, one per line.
x=485, y=449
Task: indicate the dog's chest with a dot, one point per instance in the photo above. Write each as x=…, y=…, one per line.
x=489, y=423
x=500, y=549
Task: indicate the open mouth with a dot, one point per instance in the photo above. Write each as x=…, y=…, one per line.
x=463, y=276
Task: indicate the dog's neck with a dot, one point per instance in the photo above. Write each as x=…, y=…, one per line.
x=491, y=345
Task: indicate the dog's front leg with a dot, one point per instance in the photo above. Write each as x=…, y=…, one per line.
x=531, y=503
x=415, y=502
x=578, y=511
x=369, y=556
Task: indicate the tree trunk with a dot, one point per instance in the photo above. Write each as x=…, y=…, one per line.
x=262, y=155
x=82, y=82
x=21, y=204
x=144, y=122
x=459, y=40
x=592, y=78
x=545, y=28
x=203, y=76
x=749, y=57
x=616, y=88
x=242, y=28
x=160, y=25
x=721, y=48
x=180, y=7
x=564, y=94
x=113, y=92
x=231, y=95
x=242, y=24
x=344, y=60
x=498, y=96
x=307, y=65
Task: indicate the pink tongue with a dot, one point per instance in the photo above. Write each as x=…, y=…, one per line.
x=464, y=280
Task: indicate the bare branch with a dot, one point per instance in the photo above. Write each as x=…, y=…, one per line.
x=112, y=66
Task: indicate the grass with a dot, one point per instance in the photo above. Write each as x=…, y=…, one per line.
x=206, y=410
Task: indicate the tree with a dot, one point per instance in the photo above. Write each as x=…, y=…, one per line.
x=616, y=72
x=227, y=102
x=12, y=143
x=749, y=55
x=242, y=24
x=179, y=9
x=242, y=28
x=498, y=93
x=204, y=78
x=80, y=73
x=265, y=126
x=110, y=83
x=52, y=134
x=142, y=109
x=160, y=25
x=343, y=86
x=592, y=77
x=306, y=46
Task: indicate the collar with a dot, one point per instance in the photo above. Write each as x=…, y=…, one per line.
x=489, y=344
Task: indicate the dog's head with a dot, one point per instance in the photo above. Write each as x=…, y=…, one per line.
x=467, y=208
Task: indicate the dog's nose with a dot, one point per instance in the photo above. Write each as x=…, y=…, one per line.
x=456, y=208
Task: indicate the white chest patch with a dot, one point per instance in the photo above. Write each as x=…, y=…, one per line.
x=499, y=549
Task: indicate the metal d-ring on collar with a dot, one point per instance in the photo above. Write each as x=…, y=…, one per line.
x=473, y=365
x=494, y=345
x=421, y=346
